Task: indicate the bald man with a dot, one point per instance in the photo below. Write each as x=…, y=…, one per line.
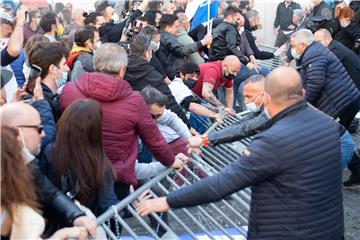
x=53, y=201
x=348, y=58
x=212, y=76
x=252, y=124
x=293, y=168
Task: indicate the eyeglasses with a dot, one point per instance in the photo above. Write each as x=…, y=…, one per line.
x=39, y=128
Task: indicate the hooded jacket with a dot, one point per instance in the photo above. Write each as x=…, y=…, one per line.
x=140, y=73
x=125, y=117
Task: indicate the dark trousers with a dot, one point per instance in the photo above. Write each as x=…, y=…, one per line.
x=349, y=114
x=281, y=38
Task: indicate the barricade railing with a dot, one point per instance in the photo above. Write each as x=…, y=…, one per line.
x=226, y=219
x=269, y=63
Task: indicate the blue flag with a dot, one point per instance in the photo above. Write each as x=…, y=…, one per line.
x=201, y=13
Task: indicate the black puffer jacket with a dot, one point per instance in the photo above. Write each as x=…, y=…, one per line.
x=350, y=61
x=327, y=85
x=295, y=173
x=226, y=41
x=173, y=54
x=139, y=73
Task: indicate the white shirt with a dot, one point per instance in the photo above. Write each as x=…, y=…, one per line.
x=179, y=90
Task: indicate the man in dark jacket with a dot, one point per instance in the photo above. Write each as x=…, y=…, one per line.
x=171, y=53
x=54, y=71
x=140, y=73
x=52, y=200
x=226, y=37
x=288, y=167
x=348, y=58
x=327, y=84
x=283, y=20
x=113, y=29
x=125, y=114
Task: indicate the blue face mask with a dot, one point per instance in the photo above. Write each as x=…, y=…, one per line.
x=61, y=82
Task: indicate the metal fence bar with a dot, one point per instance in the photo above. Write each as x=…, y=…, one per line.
x=177, y=219
x=213, y=206
x=126, y=226
x=143, y=223
x=202, y=210
x=189, y=214
x=122, y=204
x=109, y=232
x=223, y=201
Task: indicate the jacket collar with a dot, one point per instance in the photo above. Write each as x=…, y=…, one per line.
x=287, y=112
x=302, y=55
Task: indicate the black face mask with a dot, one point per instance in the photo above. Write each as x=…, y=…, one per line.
x=254, y=28
x=229, y=76
x=189, y=83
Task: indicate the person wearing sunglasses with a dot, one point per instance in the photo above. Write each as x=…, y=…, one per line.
x=31, y=121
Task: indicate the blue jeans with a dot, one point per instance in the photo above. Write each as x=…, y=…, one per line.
x=347, y=149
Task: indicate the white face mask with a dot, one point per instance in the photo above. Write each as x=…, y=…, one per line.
x=27, y=155
x=115, y=18
x=242, y=29
x=60, y=81
x=252, y=107
x=344, y=24
x=295, y=54
x=98, y=44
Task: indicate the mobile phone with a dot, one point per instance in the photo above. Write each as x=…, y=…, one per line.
x=35, y=72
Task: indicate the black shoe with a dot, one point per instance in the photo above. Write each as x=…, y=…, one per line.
x=354, y=180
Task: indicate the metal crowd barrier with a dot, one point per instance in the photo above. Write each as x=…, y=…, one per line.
x=269, y=63
x=226, y=219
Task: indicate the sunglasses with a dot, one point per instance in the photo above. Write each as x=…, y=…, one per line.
x=39, y=128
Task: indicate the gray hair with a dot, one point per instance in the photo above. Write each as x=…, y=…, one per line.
x=303, y=36
x=109, y=58
x=252, y=14
x=298, y=13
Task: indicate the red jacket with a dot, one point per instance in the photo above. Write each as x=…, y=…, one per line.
x=125, y=117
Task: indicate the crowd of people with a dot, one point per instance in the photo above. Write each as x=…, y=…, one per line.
x=93, y=104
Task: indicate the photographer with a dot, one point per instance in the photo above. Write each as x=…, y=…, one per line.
x=112, y=30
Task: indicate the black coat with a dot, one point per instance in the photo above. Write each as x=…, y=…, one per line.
x=249, y=126
x=327, y=84
x=262, y=55
x=111, y=32
x=295, y=172
x=349, y=59
x=53, y=99
x=139, y=73
x=53, y=202
x=284, y=15
x=226, y=41
x=349, y=36
x=172, y=54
